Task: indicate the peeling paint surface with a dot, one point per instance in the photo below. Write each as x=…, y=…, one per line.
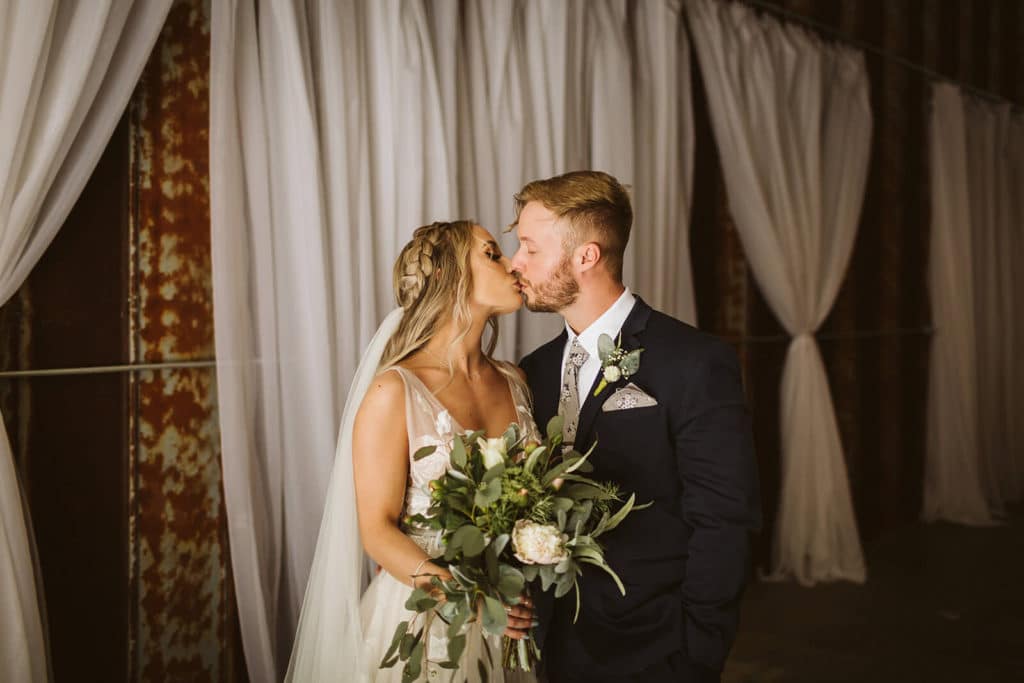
x=183, y=625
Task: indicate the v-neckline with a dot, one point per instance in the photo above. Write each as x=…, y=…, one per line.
x=456, y=423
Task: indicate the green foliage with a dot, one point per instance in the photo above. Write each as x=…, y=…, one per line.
x=476, y=510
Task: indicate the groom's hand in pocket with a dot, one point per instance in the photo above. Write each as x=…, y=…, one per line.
x=520, y=618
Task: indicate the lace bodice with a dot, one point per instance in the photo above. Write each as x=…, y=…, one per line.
x=429, y=423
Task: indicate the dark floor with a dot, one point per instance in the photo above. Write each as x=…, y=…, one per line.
x=942, y=603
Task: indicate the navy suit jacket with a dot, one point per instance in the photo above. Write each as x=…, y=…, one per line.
x=684, y=560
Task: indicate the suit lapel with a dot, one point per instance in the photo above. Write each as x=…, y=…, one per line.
x=635, y=324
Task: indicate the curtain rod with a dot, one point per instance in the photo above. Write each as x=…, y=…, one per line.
x=107, y=369
x=839, y=336
x=875, y=50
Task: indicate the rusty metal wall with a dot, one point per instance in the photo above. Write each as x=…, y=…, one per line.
x=184, y=625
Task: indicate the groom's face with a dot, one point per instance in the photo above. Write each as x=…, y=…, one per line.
x=546, y=277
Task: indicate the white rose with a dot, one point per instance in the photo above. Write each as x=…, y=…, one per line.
x=534, y=543
x=492, y=450
x=612, y=373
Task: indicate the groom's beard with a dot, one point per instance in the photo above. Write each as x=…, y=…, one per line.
x=557, y=293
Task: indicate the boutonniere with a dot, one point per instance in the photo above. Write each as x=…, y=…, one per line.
x=616, y=362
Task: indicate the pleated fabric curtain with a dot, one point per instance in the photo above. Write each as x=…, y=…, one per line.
x=993, y=184
x=337, y=128
x=974, y=465
x=792, y=123
x=67, y=70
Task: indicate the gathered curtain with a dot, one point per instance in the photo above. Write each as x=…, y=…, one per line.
x=974, y=464
x=67, y=71
x=792, y=121
x=337, y=128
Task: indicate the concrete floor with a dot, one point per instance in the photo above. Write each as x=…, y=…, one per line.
x=942, y=603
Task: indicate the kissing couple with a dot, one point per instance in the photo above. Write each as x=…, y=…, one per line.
x=674, y=430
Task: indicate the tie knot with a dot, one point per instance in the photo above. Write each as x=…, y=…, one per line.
x=577, y=354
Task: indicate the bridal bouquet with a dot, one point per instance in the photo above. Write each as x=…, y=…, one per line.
x=509, y=512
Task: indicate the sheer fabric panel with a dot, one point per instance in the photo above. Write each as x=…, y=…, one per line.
x=337, y=128
x=792, y=122
x=67, y=70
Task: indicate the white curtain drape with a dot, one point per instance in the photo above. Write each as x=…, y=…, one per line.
x=337, y=128
x=974, y=465
x=992, y=186
x=67, y=71
x=792, y=122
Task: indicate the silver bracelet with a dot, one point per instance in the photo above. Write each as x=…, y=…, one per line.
x=416, y=572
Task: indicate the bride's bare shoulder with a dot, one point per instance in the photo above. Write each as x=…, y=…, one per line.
x=384, y=399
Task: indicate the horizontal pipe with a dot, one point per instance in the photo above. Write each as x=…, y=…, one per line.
x=107, y=369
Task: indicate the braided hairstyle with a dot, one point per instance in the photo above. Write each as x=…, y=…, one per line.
x=433, y=281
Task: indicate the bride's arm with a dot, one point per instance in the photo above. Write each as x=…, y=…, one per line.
x=380, y=455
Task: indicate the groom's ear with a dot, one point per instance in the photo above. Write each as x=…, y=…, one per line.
x=588, y=255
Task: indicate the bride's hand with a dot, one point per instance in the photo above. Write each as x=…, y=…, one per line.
x=520, y=618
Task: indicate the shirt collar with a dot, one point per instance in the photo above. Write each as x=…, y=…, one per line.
x=609, y=323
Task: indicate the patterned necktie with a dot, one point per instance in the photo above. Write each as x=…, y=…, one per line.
x=569, y=400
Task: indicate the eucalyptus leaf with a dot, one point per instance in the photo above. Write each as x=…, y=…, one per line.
x=531, y=460
x=564, y=585
x=554, y=429
x=547, y=576
x=456, y=646
x=494, y=618
x=426, y=604
x=458, y=453
x=564, y=504
x=620, y=514
x=491, y=561
x=581, y=514
x=415, y=665
x=511, y=436
x=417, y=595
x=424, y=452
x=406, y=646
x=511, y=583
x=458, y=621
x=605, y=347
x=465, y=582
x=395, y=642
x=493, y=473
x=631, y=363
x=531, y=571
x=499, y=543
x=470, y=540
x=488, y=494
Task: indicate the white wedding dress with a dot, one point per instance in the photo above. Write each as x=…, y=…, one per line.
x=383, y=605
x=343, y=630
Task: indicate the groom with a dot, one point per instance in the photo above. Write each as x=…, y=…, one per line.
x=675, y=433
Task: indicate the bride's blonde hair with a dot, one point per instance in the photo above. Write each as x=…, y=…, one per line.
x=433, y=281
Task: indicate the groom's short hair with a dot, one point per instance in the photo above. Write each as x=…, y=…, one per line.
x=596, y=205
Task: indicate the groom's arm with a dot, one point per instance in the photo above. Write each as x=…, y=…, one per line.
x=720, y=501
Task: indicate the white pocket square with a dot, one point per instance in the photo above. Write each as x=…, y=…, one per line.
x=629, y=396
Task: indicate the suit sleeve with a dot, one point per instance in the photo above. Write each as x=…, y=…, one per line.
x=720, y=502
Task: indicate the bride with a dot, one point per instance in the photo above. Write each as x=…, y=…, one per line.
x=424, y=377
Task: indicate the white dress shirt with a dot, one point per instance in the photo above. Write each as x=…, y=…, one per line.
x=609, y=323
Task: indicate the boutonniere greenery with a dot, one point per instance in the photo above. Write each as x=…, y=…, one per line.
x=616, y=362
